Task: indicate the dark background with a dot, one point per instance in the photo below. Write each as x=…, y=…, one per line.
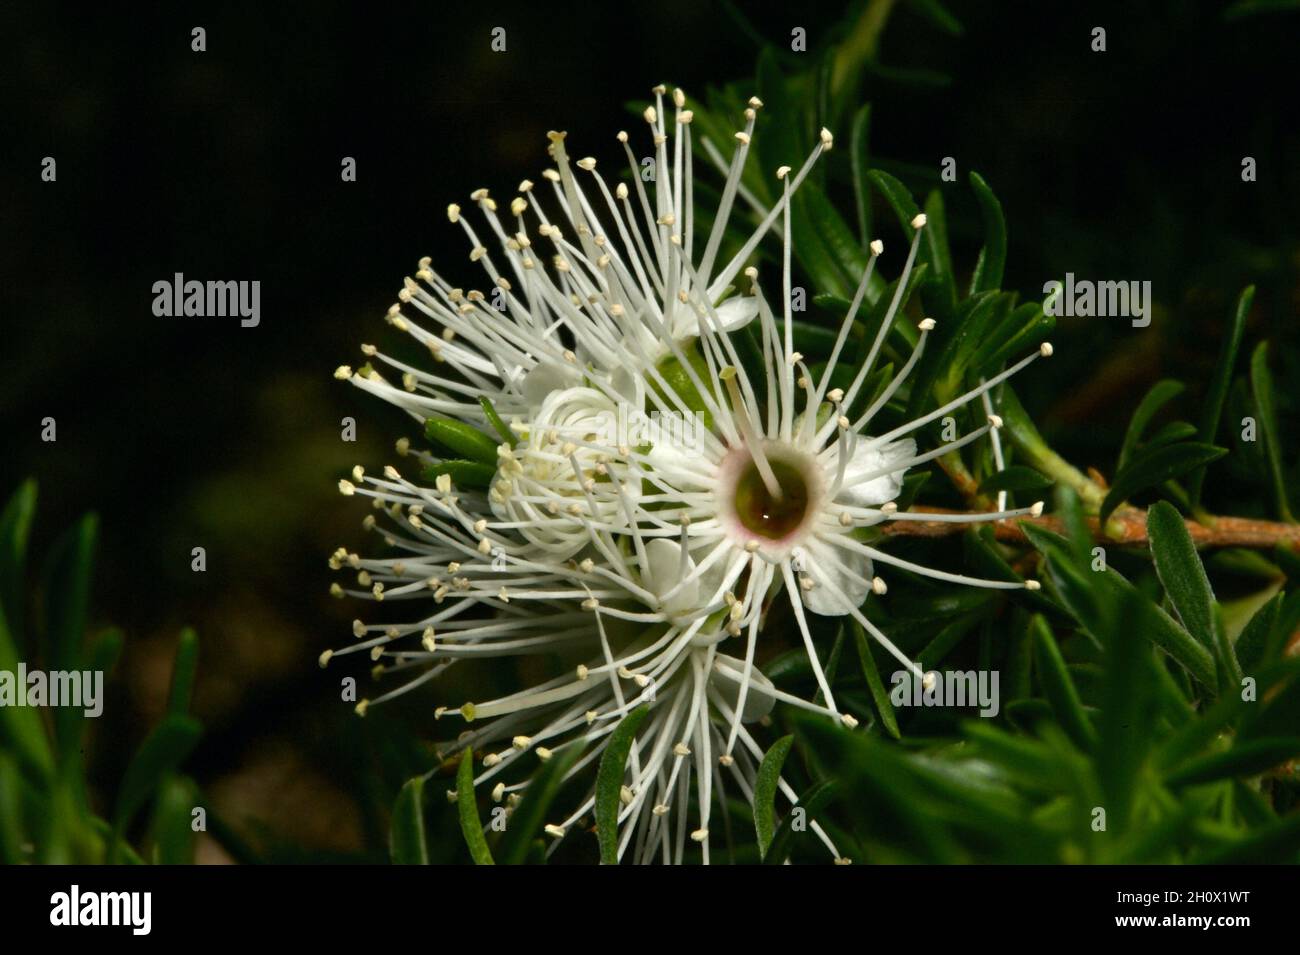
x=225, y=165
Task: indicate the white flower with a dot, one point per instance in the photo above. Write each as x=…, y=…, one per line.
x=628, y=562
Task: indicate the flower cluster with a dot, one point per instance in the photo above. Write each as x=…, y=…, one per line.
x=642, y=571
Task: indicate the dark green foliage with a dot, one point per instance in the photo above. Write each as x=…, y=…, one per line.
x=47, y=813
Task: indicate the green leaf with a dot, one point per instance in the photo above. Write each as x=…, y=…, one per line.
x=1220, y=382
x=15, y=527
x=879, y=695
x=765, y=786
x=463, y=440
x=162, y=751
x=933, y=250
x=183, y=672
x=21, y=729
x=811, y=802
x=498, y=425
x=68, y=593
x=993, y=257
x=841, y=244
x=1154, y=467
x=1159, y=394
x=1256, y=636
x=12, y=837
x=609, y=782
x=1261, y=383
x=858, y=158
x=1017, y=477
x=1170, y=433
x=1024, y=329
x=465, y=474
x=529, y=815
x=67, y=598
x=173, y=823
x=406, y=844
x=813, y=341
x=1245, y=758
x=935, y=242
x=1087, y=594
x=467, y=808
x=1278, y=842
x=1128, y=706
x=936, y=13
x=1059, y=688
x=1181, y=572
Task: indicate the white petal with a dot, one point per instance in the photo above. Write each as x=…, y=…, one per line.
x=545, y=378
x=831, y=571
x=758, y=701
x=737, y=311
x=664, y=570
x=866, y=460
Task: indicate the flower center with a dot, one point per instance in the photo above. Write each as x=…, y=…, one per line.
x=760, y=511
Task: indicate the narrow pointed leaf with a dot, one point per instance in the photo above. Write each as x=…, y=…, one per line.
x=498, y=425
x=1156, y=397
x=464, y=474
x=161, y=753
x=993, y=259
x=406, y=841
x=461, y=439
x=1181, y=572
x=765, y=786
x=1261, y=383
x=1059, y=687
x=871, y=672
x=609, y=782
x=184, y=669
x=1220, y=382
x=1150, y=469
x=15, y=528
x=467, y=809
x=809, y=806
x=529, y=816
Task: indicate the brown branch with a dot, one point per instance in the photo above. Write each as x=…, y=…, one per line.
x=1128, y=526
